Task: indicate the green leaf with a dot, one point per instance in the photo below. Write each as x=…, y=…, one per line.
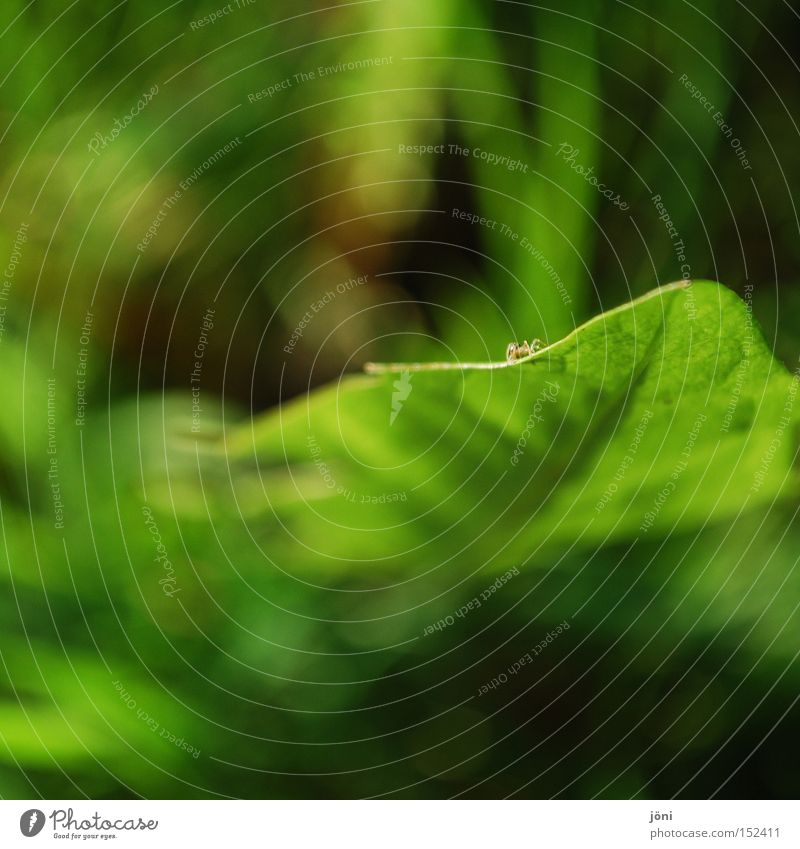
x=667, y=411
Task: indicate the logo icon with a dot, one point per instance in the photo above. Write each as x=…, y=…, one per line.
x=31, y=822
x=402, y=389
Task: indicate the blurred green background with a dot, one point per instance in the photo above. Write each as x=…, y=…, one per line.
x=276, y=156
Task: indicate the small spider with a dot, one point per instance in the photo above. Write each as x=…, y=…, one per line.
x=516, y=351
